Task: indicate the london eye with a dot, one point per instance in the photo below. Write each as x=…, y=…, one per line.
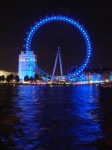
x=71, y=21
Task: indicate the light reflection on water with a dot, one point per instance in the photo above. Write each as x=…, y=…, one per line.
x=52, y=117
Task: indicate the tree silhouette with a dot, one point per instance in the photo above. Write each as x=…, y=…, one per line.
x=11, y=77
x=31, y=79
x=3, y=78
x=17, y=79
x=26, y=78
x=0, y=78
x=36, y=77
x=8, y=78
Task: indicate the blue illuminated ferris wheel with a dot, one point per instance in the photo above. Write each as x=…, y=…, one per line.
x=76, y=25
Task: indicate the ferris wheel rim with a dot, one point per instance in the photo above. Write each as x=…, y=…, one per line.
x=76, y=25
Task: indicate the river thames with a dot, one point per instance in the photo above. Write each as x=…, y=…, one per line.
x=35, y=117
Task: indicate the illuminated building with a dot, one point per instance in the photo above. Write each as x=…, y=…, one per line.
x=111, y=76
x=6, y=73
x=27, y=64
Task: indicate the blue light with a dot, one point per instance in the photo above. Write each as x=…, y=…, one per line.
x=110, y=77
x=64, y=19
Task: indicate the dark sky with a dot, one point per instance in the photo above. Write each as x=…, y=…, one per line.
x=16, y=18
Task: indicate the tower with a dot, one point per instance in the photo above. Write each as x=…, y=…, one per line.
x=27, y=64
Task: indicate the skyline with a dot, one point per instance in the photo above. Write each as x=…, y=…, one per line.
x=17, y=18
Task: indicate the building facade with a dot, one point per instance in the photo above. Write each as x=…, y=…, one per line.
x=27, y=64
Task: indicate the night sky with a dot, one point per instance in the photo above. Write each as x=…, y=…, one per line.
x=16, y=18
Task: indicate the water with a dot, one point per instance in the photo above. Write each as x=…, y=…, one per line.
x=55, y=118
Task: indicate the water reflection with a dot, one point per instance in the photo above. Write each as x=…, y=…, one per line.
x=7, y=115
x=105, y=102
x=51, y=117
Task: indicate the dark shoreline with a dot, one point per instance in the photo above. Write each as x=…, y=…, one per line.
x=73, y=84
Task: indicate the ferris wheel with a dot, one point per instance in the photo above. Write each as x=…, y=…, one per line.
x=66, y=20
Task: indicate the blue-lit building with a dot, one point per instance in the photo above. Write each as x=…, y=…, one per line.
x=27, y=64
x=111, y=76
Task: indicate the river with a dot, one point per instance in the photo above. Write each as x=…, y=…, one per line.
x=35, y=117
